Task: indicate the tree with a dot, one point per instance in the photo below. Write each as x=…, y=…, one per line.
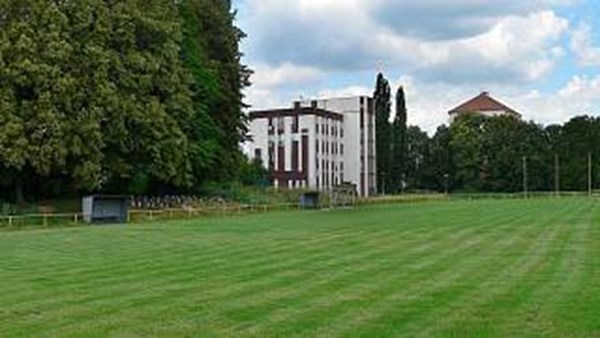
x=95, y=91
x=579, y=137
x=382, y=102
x=440, y=161
x=466, y=145
x=212, y=53
x=34, y=51
x=417, y=154
x=399, y=143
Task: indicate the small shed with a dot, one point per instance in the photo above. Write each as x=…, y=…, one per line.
x=310, y=200
x=99, y=209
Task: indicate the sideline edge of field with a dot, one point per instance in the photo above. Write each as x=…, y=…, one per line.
x=57, y=221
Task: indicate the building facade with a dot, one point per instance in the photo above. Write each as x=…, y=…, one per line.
x=483, y=104
x=318, y=144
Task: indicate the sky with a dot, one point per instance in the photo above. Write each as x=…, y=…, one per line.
x=540, y=57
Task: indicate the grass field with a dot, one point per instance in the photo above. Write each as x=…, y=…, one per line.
x=460, y=268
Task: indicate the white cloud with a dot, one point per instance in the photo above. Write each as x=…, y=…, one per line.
x=428, y=103
x=509, y=40
x=285, y=74
x=345, y=92
x=582, y=46
x=275, y=86
x=449, y=51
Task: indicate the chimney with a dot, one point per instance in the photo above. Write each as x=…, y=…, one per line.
x=485, y=93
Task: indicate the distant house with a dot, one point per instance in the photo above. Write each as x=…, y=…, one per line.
x=483, y=104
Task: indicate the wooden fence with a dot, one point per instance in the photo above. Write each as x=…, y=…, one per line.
x=222, y=210
x=137, y=216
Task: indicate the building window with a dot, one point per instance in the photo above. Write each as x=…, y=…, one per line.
x=258, y=154
x=341, y=149
x=271, y=155
x=341, y=131
x=280, y=125
x=295, y=124
x=295, y=156
x=362, y=118
x=316, y=128
x=271, y=126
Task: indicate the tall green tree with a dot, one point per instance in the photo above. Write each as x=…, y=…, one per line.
x=440, y=161
x=95, y=91
x=212, y=52
x=467, y=148
x=399, y=143
x=382, y=102
x=34, y=52
x=579, y=137
x=416, y=168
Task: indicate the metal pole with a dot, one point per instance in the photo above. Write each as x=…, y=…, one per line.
x=446, y=184
x=525, y=177
x=557, y=175
x=590, y=173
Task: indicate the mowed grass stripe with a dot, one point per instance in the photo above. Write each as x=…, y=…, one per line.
x=117, y=294
x=501, y=290
x=409, y=285
x=382, y=270
x=135, y=261
x=505, y=280
x=111, y=292
x=172, y=295
x=556, y=296
x=385, y=267
x=148, y=266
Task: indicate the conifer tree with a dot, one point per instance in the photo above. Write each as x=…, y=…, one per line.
x=382, y=102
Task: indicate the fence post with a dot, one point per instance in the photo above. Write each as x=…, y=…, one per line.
x=10, y=221
x=76, y=219
x=45, y=218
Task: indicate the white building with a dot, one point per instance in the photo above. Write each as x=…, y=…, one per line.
x=318, y=144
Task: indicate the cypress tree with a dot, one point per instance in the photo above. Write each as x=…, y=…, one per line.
x=399, y=143
x=382, y=102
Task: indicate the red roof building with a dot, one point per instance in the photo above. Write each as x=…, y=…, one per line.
x=483, y=104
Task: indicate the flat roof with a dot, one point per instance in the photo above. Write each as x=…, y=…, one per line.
x=298, y=111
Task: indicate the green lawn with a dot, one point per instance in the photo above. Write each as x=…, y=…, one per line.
x=459, y=268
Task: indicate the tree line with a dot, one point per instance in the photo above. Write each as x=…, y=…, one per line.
x=136, y=96
x=476, y=153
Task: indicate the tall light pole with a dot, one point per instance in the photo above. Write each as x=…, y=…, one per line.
x=557, y=175
x=446, y=183
x=590, y=173
x=525, y=188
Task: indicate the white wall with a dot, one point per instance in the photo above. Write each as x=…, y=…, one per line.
x=351, y=141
